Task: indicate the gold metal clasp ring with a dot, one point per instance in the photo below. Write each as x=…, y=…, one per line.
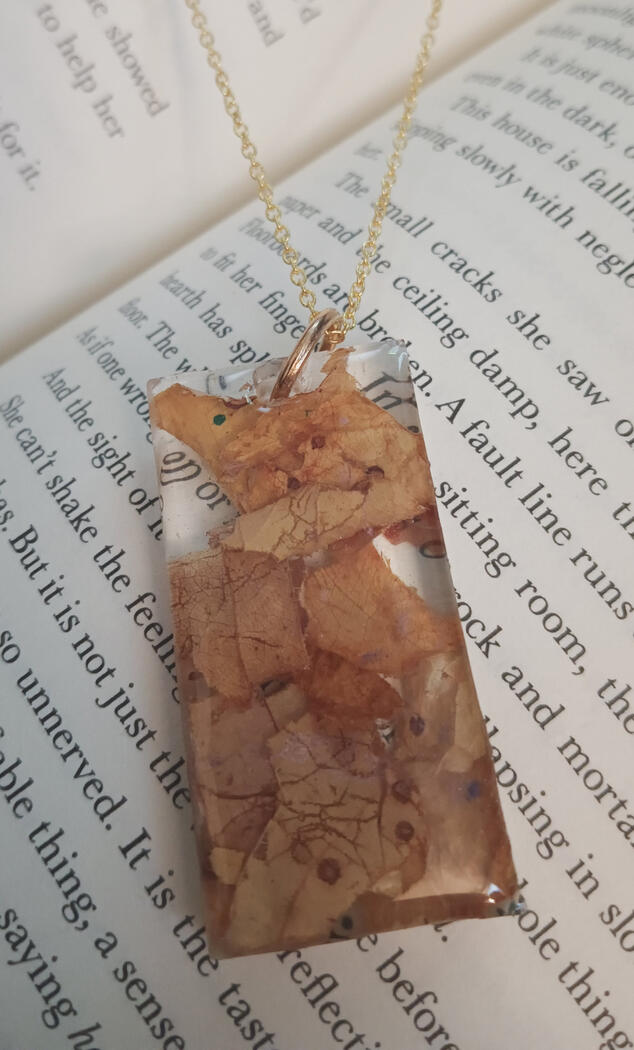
x=316, y=337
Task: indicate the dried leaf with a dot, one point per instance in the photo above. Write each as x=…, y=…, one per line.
x=311, y=518
x=286, y=703
x=234, y=777
x=349, y=696
x=357, y=607
x=203, y=422
x=267, y=615
x=338, y=828
x=333, y=437
x=226, y=864
x=237, y=614
x=204, y=621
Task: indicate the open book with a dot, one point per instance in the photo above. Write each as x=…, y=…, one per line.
x=506, y=264
x=119, y=150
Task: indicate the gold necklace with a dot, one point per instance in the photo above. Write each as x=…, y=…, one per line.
x=341, y=776
x=336, y=331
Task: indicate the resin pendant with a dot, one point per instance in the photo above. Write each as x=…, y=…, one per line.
x=339, y=766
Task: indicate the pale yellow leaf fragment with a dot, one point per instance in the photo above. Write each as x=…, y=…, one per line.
x=314, y=518
x=226, y=864
x=286, y=704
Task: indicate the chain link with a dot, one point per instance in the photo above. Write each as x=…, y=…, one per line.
x=282, y=235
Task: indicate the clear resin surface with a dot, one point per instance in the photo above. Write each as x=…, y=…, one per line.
x=339, y=765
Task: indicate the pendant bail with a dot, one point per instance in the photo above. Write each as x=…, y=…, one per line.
x=318, y=336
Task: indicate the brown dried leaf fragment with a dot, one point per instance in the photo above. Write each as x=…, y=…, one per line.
x=267, y=615
x=236, y=614
x=233, y=779
x=349, y=696
x=404, y=833
x=333, y=437
x=359, y=609
x=313, y=518
x=233, y=792
x=230, y=747
x=336, y=832
x=237, y=823
x=204, y=621
x=202, y=421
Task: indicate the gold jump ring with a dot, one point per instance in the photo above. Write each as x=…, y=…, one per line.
x=314, y=338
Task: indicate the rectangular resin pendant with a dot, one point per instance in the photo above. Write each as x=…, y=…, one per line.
x=339, y=766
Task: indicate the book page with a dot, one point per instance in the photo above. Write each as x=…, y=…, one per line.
x=506, y=264
x=114, y=144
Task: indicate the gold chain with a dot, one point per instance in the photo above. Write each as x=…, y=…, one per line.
x=265, y=193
